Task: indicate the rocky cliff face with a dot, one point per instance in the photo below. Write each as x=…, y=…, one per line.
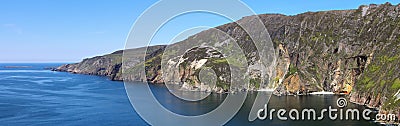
x=110, y=65
x=349, y=51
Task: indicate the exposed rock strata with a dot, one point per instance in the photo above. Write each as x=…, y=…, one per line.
x=317, y=51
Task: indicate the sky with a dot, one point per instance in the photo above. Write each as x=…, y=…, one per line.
x=67, y=31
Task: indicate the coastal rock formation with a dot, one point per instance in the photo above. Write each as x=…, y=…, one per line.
x=110, y=65
x=316, y=51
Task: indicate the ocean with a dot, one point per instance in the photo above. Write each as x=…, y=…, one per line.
x=33, y=95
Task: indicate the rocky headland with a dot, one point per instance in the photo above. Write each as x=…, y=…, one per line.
x=355, y=52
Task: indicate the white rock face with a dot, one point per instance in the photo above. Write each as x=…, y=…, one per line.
x=186, y=86
x=196, y=65
x=397, y=95
x=205, y=88
x=365, y=10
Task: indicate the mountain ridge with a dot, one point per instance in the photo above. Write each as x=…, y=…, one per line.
x=317, y=51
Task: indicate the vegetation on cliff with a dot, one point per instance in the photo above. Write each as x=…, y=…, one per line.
x=317, y=51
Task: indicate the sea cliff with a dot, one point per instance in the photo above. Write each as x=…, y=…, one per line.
x=343, y=51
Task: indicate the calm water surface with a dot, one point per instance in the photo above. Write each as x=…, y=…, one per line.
x=34, y=96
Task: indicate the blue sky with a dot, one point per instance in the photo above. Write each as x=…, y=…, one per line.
x=70, y=30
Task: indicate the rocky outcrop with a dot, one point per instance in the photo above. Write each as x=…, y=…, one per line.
x=111, y=65
x=316, y=51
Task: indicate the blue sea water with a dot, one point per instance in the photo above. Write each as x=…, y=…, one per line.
x=35, y=96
